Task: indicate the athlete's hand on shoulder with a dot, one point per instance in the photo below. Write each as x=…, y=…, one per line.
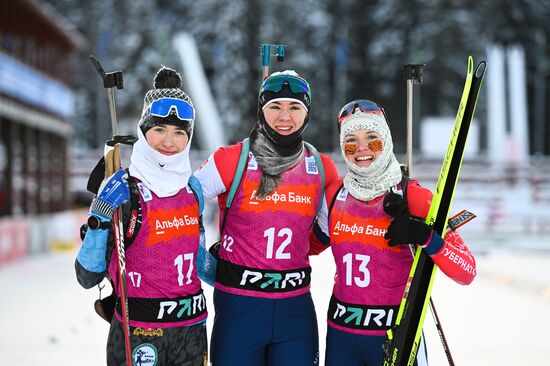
x=403, y=228
x=113, y=192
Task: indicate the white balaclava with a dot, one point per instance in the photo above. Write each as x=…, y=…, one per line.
x=165, y=175
x=367, y=183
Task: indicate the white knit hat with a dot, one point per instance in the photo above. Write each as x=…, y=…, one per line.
x=366, y=183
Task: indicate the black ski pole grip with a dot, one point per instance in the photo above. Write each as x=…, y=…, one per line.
x=98, y=67
x=414, y=72
x=111, y=79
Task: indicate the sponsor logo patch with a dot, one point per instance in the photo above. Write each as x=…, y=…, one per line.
x=311, y=166
x=296, y=198
x=342, y=195
x=350, y=229
x=165, y=225
x=145, y=192
x=461, y=218
x=252, y=163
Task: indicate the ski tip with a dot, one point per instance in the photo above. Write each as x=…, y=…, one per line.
x=470, y=64
x=480, y=69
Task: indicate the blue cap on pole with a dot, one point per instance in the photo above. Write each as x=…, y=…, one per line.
x=266, y=53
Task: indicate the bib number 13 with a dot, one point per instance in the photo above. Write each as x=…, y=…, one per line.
x=350, y=262
x=285, y=234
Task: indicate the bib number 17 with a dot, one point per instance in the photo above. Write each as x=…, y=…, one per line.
x=179, y=264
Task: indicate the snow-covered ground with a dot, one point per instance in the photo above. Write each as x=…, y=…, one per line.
x=46, y=318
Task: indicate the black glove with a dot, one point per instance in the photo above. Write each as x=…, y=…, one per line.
x=404, y=229
x=215, y=249
x=395, y=205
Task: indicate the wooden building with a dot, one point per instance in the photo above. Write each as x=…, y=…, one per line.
x=37, y=46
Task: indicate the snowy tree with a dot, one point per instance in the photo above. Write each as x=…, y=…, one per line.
x=305, y=27
x=347, y=49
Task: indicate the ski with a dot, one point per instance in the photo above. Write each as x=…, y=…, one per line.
x=404, y=338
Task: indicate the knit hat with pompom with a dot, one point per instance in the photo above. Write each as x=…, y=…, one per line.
x=167, y=84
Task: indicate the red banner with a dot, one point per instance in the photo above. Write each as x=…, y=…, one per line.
x=14, y=240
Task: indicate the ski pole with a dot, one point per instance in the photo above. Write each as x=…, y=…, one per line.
x=266, y=53
x=438, y=325
x=413, y=73
x=441, y=334
x=112, y=164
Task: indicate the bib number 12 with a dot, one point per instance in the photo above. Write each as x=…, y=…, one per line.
x=286, y=235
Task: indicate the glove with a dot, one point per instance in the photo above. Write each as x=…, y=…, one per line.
x=206, y=264
x=92, y=252
x=395, y=204
x=404, y=229
x=112, y=193
x=214, y=249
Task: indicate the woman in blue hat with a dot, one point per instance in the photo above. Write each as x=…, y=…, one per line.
x=162, y=230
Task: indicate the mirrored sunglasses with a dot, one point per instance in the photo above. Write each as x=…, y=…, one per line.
x=364, y=105
x=164, y=106
x=275, y=84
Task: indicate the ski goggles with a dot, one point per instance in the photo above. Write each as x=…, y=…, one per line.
x=164, y=106
x=365, y=105
x=275, y=84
